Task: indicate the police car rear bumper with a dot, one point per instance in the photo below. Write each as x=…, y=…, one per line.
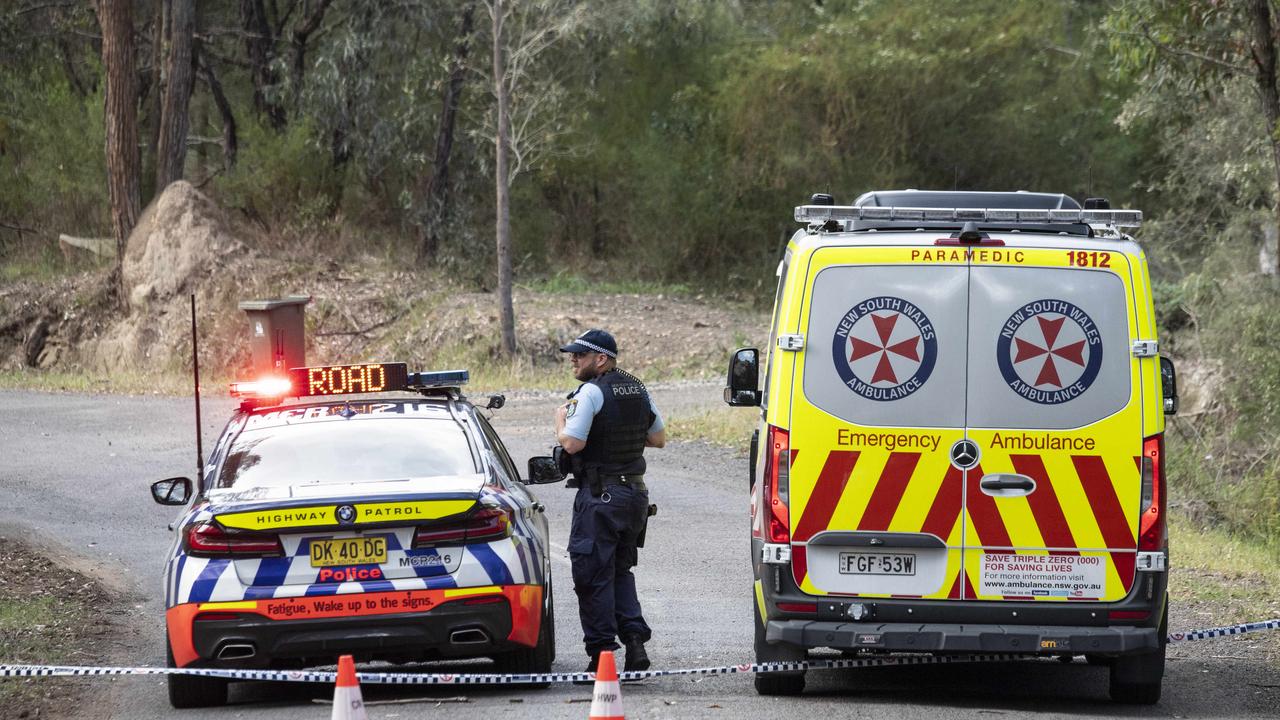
x=446, y=631
x=968, y=638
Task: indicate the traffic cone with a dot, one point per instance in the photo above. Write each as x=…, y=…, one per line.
x=606, y=697
x=347, y=702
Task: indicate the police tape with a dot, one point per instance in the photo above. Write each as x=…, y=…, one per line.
x=402, y=678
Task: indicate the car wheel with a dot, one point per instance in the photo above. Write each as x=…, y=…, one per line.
x=776, y=683
x=194, y=691
x=1136, y=679
x=537, y=659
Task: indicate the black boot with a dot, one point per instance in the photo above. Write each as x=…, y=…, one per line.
x=637, y=658
x=591, y=668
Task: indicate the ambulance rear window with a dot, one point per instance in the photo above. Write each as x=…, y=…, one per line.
x=885, y=344
x=1049, y=347
x=343, y=452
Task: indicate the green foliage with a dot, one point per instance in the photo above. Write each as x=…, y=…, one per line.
x=52, y=164
x=282, y=178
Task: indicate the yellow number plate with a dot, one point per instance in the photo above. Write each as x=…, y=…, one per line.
x=349, y=551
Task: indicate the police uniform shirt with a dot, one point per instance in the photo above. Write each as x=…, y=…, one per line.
x=584, y=406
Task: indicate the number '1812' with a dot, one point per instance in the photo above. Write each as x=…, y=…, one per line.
x=1083, y=258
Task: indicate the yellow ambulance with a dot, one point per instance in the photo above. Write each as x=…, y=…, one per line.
x=961, y=439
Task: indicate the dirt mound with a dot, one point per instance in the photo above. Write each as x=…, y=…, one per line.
x=364, y=307
x=179, y=236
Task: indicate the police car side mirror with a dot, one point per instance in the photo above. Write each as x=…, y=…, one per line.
x=171, y=491
x=743, y=388
x=1169, y=384
x=543, y=470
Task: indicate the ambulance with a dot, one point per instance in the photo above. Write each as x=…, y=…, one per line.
x=961, y=442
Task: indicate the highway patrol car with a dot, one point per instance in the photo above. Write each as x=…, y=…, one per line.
x=961, y=447
x=388, y=525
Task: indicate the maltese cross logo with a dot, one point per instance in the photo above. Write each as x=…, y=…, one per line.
x=884, y=348
x=1049, y=351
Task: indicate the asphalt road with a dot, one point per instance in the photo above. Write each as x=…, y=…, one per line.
x=74, y=471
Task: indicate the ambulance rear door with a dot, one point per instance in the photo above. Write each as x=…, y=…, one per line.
x=1051, y=493
x=877, y=402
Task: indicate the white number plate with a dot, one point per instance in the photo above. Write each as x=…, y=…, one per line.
x=877, y=563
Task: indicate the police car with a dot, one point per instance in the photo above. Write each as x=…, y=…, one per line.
x=377, y=514
x=961, y=444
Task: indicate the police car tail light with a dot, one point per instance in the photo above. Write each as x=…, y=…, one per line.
x=777, y=482
x=270, y=387
x=209, y=540
x=487, y=524
x=1152, y=521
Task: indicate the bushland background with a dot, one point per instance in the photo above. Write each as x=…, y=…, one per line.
x=654, y=152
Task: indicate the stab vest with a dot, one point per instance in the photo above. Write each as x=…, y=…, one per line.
x=615, y=444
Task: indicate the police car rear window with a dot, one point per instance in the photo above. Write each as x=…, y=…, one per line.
x=344, y=452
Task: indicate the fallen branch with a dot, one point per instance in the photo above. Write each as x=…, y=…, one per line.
x=365, y=331
x=102, y=247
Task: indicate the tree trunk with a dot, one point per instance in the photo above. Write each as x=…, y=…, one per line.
x=503, y=183
x=151, y=93
x=436, y=190
x=171, y=152
x=307, y=25
x=121, y=111
x=259, y=44
x=230, y=140
x=1264, y=58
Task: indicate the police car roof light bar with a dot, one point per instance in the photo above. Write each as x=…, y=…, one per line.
x=438, y=379
x=269, y=387
x=819, y=214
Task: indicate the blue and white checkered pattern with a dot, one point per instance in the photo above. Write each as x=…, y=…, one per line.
x=516, y=560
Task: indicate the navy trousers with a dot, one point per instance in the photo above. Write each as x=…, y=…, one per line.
x=602, y=548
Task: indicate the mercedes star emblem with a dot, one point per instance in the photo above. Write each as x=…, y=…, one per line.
x=964, y=454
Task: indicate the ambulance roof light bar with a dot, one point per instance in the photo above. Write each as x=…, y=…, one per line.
x=820, y=214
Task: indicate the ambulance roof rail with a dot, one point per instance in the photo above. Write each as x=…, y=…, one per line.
x=1071, y=221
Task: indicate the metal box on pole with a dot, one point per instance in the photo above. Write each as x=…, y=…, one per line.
x=277, y=336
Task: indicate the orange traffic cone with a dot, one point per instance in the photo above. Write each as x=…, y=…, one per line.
x=606, y=697
x=347, y=702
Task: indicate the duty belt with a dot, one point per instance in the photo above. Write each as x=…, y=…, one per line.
x=631, y=481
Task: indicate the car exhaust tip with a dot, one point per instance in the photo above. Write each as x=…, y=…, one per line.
x=237, y=651
x=469, y=636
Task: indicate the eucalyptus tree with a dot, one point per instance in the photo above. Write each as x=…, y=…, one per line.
x=123, y=163
x=1201, y=49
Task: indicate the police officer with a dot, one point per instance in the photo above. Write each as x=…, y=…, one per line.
x=605, y=427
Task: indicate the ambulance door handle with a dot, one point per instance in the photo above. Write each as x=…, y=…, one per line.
x=1007, y=484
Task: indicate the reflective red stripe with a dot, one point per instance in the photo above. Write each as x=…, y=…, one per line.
x=945, y=510
x=954, y=594
x=1125, y=567
x=987, y=522
x=1050, y=519
x=889, y=491
x=1117, y=529
x=826, y=494
x=799, y=563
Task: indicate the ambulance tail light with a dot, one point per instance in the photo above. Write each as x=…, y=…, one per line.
x=1152, y=521
x=488, y=524
x=209, y=540
x=777, y=482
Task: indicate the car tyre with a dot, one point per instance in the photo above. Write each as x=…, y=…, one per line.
x=536, y=660
x=194, y=691
x=1136, y=679
x=776, y=683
